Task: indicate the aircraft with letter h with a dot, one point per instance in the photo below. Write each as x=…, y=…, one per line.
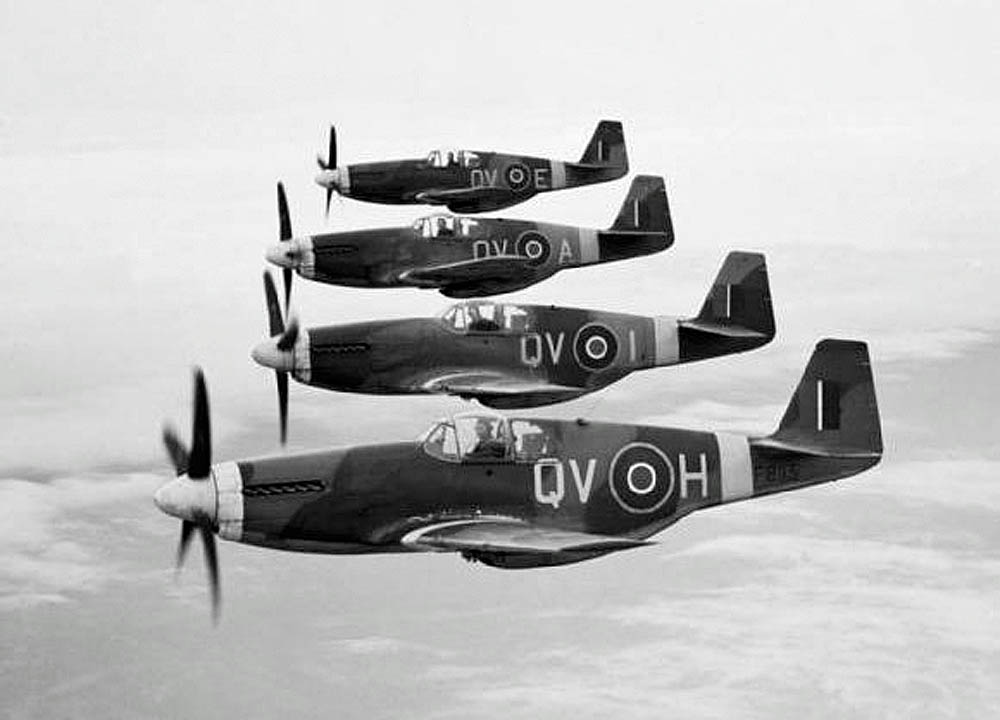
x=472, y=257
x=520, y=492
x=507, y=355
x=473, y=181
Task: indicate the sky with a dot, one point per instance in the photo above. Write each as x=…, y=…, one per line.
x=856, y=145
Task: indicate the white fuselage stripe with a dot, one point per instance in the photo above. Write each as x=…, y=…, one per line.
x=735, y=467
x=558, y=174
x=590, y=251
x=668, y=348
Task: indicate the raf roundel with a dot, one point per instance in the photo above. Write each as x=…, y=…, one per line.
x=641, y=478
x=534, y=246
x=517, y=176
x=595, y=346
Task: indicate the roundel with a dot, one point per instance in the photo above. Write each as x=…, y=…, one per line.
x=517, y=176
x=534, y=246
x=595, y=346
x=641, y=478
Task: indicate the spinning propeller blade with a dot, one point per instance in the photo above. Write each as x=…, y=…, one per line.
x=331, y=157
x=197, y=465
x=284, y=235
x=329, y=163
x=286, y=341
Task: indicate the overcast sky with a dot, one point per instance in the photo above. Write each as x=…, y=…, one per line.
x=855, y=144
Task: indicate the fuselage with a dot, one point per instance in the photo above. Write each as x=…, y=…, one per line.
x=594, y=477
x=465, y=257
x=485, y=180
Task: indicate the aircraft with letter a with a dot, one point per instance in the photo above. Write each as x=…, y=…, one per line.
x=473, y=257
x=521, y=492
x=469, y=181
x=508, y=355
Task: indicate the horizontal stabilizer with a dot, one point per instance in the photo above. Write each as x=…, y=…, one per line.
x=729, y=331
x=511, y=536
x=815, y=450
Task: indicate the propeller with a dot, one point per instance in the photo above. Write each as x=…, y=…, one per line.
x=286, y=341
x=197, y=465
x=329, y=163
x=284, y=235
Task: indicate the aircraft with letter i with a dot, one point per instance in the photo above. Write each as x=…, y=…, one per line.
x=469, y=181
x=472, y=257
x=520, y=492
x=508, y=355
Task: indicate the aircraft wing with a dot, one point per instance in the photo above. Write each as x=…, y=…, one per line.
x=500, y=268
x=512, y=536
x=457, y=195
x=493, y=384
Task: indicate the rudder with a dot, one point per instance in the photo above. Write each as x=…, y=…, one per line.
x=607, y=146
x=645, y=209
x=834, y=410
x=740, y=298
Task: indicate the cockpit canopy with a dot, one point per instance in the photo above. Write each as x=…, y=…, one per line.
x=485, y=316
x=447, y=157
x=491, y=438
x=445, y=226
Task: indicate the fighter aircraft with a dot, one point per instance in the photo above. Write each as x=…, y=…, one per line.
x=520, y=492
x=473, y=257
x=507, y=355
x=472, y=181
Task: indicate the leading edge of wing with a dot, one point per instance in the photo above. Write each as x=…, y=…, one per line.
x=443, y=196
x=502, y=267
x=510, y=535
x=492, y=384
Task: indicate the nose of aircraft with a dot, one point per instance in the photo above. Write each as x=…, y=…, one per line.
x=338, y=178
x=329, y=179
x=282, y=255
x=188, y=499
x=269, y=355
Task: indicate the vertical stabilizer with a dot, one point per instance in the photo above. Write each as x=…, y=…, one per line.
x=833, y=411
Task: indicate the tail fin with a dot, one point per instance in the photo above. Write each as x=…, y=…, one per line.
x=739, y=303
x=607, y=146
x=833, y=411
x=645, y=209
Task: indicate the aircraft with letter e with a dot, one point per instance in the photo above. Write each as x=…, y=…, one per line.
x=520, y=492
x=508, y=355
x=469, y=181
x=472, y=257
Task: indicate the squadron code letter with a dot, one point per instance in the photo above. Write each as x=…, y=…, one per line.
x=554, y=495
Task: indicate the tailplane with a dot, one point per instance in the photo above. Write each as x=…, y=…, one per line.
x=739, y=302
x=833, y=412
x=645, y=209
x=607, y=147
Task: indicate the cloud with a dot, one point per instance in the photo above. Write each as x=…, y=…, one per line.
x=720, y=417
x=45, y=534
x=880, y=601
x=931, y=344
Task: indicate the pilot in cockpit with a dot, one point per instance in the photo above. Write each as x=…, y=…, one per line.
x=489, y=444
x=482, y=317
